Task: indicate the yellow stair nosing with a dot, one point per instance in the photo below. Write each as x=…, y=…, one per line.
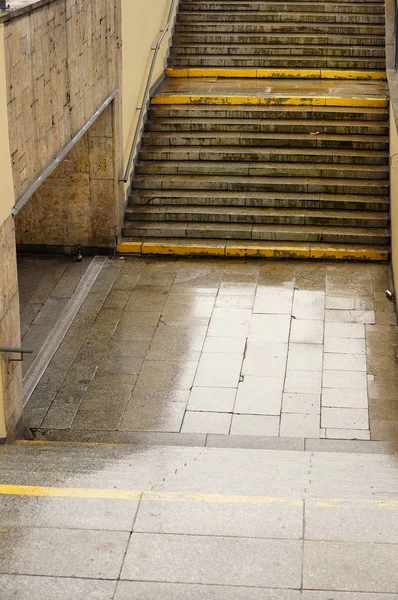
x=282, y=73
x=265, y=250
x=225, y=99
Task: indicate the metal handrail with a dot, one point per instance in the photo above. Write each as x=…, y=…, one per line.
x=396, y=33
x=147, y=90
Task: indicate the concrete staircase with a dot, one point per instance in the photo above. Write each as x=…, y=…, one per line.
x=260, y=167
x=301, y=34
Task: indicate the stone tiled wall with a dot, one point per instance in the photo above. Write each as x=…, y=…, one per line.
x=76, y=204
x=62, y=60
x=11, y=379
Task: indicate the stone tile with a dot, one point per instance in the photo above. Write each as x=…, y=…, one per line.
x=188, y=306
x=349, y=316
x=255, y=425
x=345, y=379
x=383, y=409
x=136, y=590
x=134, y=333
x=224, y=345
x=351, y=566
x=273, y=329
x=67, y=513
x=305, y=357
x=254, y=442
x=383, y=389
x=214, y=560
x=300, y=425
x=237, y=288
x=344, y=330
x=234, y=302
x=345, y=418
x=177, y=343
x=349, y=280
x=345, y=345
x=301, y=403
x=340, y=303
x=128, y=365
x=259, y=395
x=279, y=520
x=51, y=311
x=219, y=370
x=212, y=399
x=265, y=360
x=140, y=318
x=348, y=434
x=273, y=300
x=166, y=374
x=230, y=322
x=25, y=587
x=305, y=331
x=104, y=402
x=344, y=398
x=351, y=521
x=206, y=422
x=309, y=305
x=160, y=410
x=303, y=382
x=344, y=362
x=63, y=552
x=316, y=595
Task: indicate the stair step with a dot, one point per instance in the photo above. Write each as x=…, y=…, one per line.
x=249, y=249
x=296, y=29
x=301, y=200
x=258, y=50
x=267, y=112
x=255, y=16
x=262, y=184
x=286, y=140
x=275, y=126
x=287, y=155
x=280, y=232
x=289, y=7
x=286, y=39
x=276, y=63
x=256, y=169
x=257, y=216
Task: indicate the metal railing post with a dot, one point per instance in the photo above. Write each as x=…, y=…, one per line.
x=396, y=33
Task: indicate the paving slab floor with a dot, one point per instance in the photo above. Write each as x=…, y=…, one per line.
x=196, y=350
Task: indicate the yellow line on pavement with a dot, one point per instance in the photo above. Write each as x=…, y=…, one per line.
x=112, y=494
x=58, y=492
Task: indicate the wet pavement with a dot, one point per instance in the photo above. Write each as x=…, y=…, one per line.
x=194, y=351
x=235, y=387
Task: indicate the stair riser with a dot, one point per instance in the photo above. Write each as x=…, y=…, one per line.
x=182, y=155
x=282, y=142
x=288, y=7
x=189, y=17
x=278, y=63
x=276, y=127
x=255, y=219
x=267, y=113
x=282, y=28
x=323, y=187
x=261, y=170
x=328, y=52
x=277, y=38
x=253, y=234
x=208, y=201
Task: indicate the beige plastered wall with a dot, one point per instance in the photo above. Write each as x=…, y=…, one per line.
x=10, y=372
x=142, y=22
x=394, y=194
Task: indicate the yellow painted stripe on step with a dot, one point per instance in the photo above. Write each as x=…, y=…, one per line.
x=285, y=73
x=366, y=254
x=129, y=247
x=208, y=99
x=361, y=75
x=183, y=249
x=268, y=251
